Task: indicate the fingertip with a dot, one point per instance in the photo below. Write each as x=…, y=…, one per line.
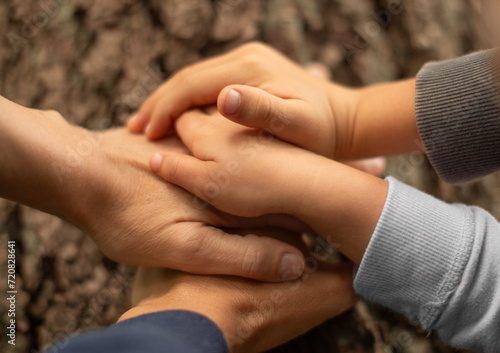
x=377, y=166
x=136, y=123
x=131, y=122
x=374, y=166
x=159, y=124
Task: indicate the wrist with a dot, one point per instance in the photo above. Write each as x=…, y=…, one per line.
x=77, y=170
x=342, y=205
x=384, y=121
x=35, y=145
x=344, y=103
x=158, y=290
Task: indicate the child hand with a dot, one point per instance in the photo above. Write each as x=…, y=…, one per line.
x=258, y=87
x=247, y=172
x=242, y=171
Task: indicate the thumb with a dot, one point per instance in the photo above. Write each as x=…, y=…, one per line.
x=254, y=107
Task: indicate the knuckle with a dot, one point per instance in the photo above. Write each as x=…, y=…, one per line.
x=171, y=168
x=311, y=129
x=303, y=121
x=264, y=108
x=188, y=247
x=250, y=265
x=53, y=114
x=315, y=133
x=254, y=61
x=255, y=47
x=192, y=246
x=198, y=144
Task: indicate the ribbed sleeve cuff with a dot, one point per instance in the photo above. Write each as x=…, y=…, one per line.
x=458, y=115
x=417, y=254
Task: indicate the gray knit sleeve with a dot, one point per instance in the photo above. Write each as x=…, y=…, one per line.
x=458, y=115
x=439, y=265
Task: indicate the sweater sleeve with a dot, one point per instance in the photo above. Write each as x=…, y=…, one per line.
x=439, y=265
x=458, y=115
x=165, y=331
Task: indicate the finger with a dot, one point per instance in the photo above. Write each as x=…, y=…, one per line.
x=190, y=88
x=139, y=121
x=373, y=166
x=327, y=294
x=191, y=126
x=186, y=171
x=209, y=250
x=175, y=87
x=198, y=85
x=253, y=107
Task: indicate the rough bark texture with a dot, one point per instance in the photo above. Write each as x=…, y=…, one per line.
x=96, y=61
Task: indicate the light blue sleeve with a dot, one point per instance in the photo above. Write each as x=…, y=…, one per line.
x=438, y=264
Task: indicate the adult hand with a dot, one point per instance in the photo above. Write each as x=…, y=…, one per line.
x=253, y=316
x=102, y=183
x=139, y=219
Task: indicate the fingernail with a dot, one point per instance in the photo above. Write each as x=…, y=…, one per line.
x=156, y=162
x=291, y=267
x=148, y=127
x=233, y=102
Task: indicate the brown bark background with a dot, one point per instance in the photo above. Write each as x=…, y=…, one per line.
x=96, y=61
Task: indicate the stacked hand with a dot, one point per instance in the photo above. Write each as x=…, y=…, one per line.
x=257, y=171
x=266, y=149
x=253, y=316
x=257, y=87
x=246, y=158
x=138, y=219
x=103, y=183
x=242, y=171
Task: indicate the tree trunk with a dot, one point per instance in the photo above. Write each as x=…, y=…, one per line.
x=96, y=61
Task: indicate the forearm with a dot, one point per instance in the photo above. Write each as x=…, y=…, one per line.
x=33, y=150
x=451, y=110
x=437, y=264
x=251, y=314
x=341, y=204
x=382, y=123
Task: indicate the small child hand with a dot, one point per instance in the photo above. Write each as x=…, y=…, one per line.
x=241, y=171
x=247, y=172
x=258, y=87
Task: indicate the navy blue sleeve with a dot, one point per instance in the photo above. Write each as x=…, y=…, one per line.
x=165, y=331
